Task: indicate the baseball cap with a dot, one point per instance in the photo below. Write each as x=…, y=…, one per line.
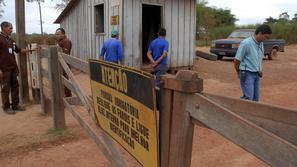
x=114, y=32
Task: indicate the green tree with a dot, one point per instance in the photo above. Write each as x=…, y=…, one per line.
x=224, y=17
x=294, y=19
x=212, y=22
x=205, y=16
x=210, y=17
x=270, y=20
x=284, y=17
x=61, y=4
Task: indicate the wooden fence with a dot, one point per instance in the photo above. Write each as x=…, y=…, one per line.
x=269, y=132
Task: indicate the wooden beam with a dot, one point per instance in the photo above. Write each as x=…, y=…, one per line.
x=47, y=92
x=276, y=119
x=68, y=84
x=183, y=83
x=22, y=57
x=178, y=129
x=77, y=90
x=44, y=73
x=76, y=62
x=42, y=98
x=56, y=87
x=73, y=101
x=109, y=151
x=263, y=110
x=207, y=56
x=165, y=124
x=262, y=143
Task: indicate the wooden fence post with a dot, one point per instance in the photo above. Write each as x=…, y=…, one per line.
x=56, y=88
x=176, y=128
x=42, y=98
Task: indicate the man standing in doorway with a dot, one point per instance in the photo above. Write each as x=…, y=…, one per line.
x=9, y=70
x=66, y=46
x=112, y=50
x=157, y=54
x=248, y=62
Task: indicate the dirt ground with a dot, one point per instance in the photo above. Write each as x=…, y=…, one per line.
x=27, y=138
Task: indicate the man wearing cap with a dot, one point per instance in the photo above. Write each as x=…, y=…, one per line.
x=112, y=50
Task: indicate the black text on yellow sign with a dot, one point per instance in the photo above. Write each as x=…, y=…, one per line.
x=124, y=102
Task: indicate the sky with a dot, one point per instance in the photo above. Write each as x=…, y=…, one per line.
x=246, y=11
x=49, y=14
x=256, y=11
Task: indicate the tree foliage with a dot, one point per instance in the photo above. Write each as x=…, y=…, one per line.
x=294, y=19
x=283, y=27
x=210, y=18
x=283, y=18
x=61, y=4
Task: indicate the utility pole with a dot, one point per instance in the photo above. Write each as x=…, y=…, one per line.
x=22, y=57
x=40, y=17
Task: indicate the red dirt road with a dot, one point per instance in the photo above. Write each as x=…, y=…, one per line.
x=26, y=141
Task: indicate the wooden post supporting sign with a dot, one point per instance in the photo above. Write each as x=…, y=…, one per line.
x=176, y=127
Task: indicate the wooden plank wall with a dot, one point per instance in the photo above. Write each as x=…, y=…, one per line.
x=79, y=27
x=179, y=19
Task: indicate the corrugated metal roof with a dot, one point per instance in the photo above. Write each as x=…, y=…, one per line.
x=67, y=9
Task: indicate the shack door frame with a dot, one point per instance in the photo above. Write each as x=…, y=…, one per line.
x=143, y=50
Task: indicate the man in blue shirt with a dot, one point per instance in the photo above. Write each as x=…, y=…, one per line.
x=112, y=50
x=157, y=54
x=248, y=63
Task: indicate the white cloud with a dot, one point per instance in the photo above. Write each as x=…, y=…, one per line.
x=49, y=15
x=248, y=12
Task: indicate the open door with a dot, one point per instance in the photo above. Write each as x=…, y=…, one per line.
x=151, y=23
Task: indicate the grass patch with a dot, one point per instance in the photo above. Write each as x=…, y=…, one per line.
x=56, y=135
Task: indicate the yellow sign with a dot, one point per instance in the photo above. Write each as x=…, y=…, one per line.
x=114, y=20
x=125, y=106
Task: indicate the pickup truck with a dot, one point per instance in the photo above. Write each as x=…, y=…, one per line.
x=228, y=47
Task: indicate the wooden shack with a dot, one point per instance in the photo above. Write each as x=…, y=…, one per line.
x=88, y=23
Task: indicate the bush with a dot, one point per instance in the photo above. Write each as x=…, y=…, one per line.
x=286, y=31
x=214, y=33
x=47, y=39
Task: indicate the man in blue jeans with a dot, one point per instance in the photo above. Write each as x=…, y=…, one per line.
x=112, y=50
x=157, y=54
x=248, y=62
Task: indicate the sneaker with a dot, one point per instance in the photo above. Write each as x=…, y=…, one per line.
x=18, y=108
x=8, y=111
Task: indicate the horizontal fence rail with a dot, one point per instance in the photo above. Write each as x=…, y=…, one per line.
x=267, y=131
x=266, y=145
x=52, y=100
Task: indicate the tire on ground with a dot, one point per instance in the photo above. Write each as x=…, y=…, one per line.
x=220, y=57
x=272, y=54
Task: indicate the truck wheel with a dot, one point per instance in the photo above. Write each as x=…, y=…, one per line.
x=220, y=57
x=273, y=53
